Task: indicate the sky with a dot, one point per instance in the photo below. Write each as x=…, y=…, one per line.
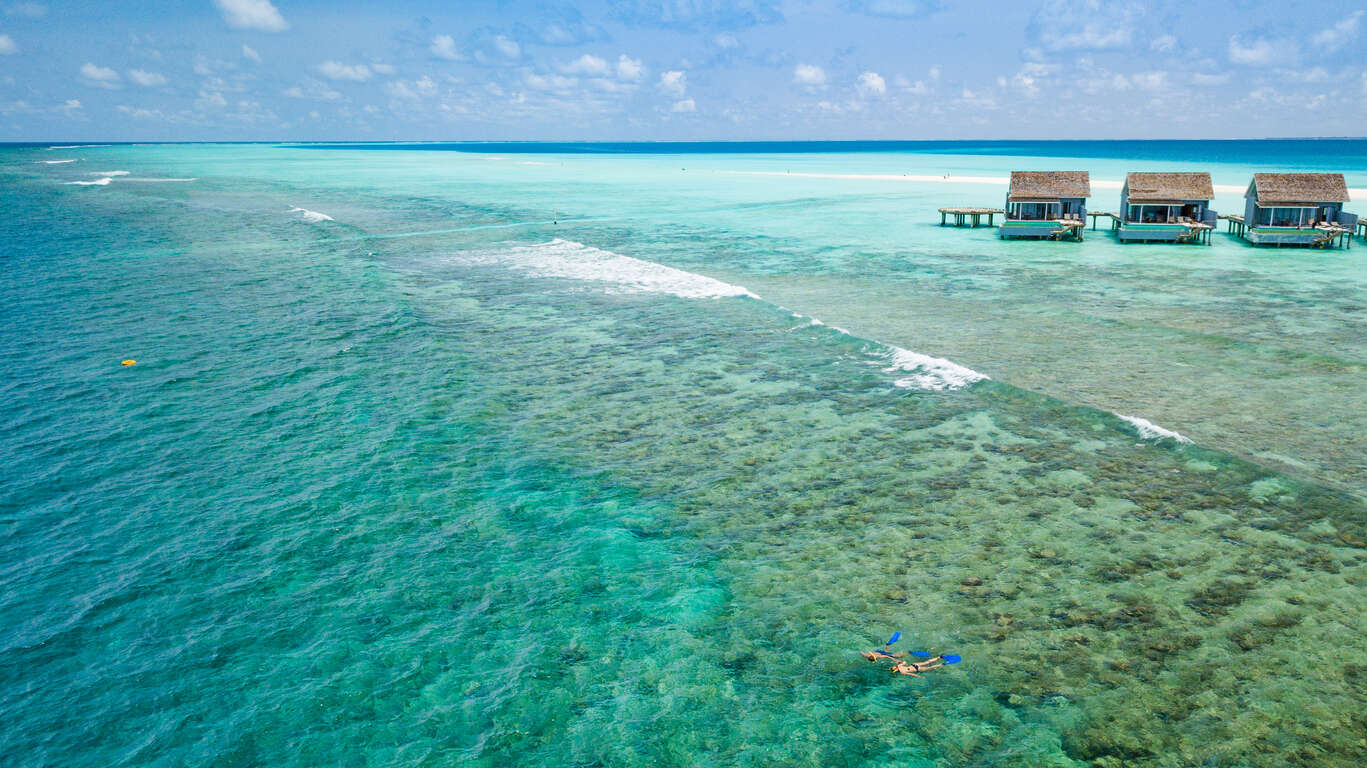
x=679, y=70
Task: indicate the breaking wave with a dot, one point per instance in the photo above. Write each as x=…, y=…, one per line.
x=622, y=274
x=1150, y=431
x=311, y=216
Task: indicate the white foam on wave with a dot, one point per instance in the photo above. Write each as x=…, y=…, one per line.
x=155, y=179
x=926, y=372
x=1150, y=431
x=109, y=173
x=575, y=261
x=57, y=162
x=311, y=216
x=78, y=146
x=101, y=182
x=624, y=274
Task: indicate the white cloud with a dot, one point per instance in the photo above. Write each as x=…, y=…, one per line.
x=1149, y=81
x=673, y=82
x=507, y=47
x=896, y=9
x=551, y=82
x=934, y=72
x=684, y=105
x=1258, y=51
x=444, y=47
x=103, y=77
x=210, y=99
x=587, y=64
x=383, y=69
x=1027, y=79
x=1091, y=35
x=1364, y=83
x=252, y=14
x=629, y=68
x=809, y=74
x=1104, y=24
x=1200, y=78
x=1163, y=43
x=26, y=10
x=918, y=88
x=7, y=46
x=336, y=70
x=146, y=79
x=143, y=114
x=871, y=84
x=1312, y=75
x=726, y=41
x=313, y=90
x=417, y=90
x=1339, y=35
x=250, y=53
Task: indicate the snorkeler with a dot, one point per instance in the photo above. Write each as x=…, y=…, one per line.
x=886, y=651
x=934, y=662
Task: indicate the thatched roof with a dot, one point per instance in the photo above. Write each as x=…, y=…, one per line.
x=1169, y=186
x=1298, y=188
x=1049, y=185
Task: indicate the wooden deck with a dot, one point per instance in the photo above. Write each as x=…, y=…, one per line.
x=971, y=217
x=1327, y=235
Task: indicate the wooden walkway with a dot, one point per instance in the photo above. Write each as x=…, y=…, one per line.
x=1115, y=219
x=971, y=217
x=1235, y=225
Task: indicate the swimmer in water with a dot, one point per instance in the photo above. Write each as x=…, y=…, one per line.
x=886, y=651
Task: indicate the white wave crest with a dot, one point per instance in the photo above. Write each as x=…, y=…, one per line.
x=109, y=173
x=155, y=179
x=576, y=261
x=311, y=216
x=931, y=373
x=1150, y=431
x=57, y=162
x=102, y=182
x=78, y=146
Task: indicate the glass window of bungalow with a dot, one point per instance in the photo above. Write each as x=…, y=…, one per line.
x=1288, y=216
x=1033, y=211
x=1151, y=214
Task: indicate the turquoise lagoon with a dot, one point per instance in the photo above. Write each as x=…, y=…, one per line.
x=616, y=455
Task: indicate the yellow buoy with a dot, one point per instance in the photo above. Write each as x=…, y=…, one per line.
x=130, y=362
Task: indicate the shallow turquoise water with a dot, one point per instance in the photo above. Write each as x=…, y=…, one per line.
x=501, y=465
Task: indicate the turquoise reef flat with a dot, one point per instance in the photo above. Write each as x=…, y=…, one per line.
x=545, y=456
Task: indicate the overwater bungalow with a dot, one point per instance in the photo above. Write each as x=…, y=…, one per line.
x=1297, y=209
x=1046, y=204
x=1167, y=207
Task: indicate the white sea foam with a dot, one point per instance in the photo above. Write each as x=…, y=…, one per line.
x=1150, y=431
x=624, y=274
x=102, y=182
x=109, y=173
x=926, y=372
x=155, y=179
x=57, y=162
x=311, y=216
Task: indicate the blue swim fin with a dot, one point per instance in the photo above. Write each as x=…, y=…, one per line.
x=921, y=654
x=952, y=658
x=895, y=637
